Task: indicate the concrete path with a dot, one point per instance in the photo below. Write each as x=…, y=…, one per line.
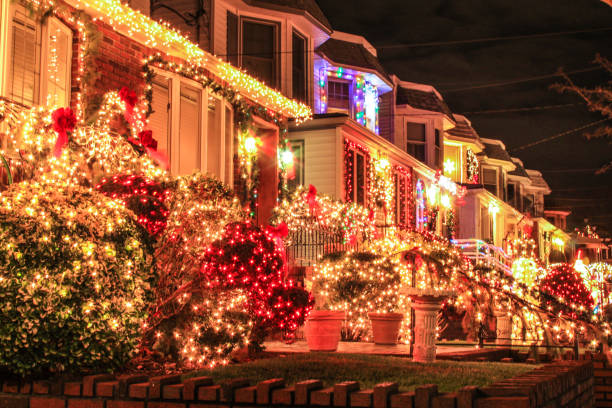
x=300, y=346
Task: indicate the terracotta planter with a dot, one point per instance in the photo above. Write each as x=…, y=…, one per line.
x=386, y=327
x=323, y=330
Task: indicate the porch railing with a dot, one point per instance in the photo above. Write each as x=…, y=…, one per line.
x=490, y=255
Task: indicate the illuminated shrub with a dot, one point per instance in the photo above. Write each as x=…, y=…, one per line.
x=358, y=282
x=246, y=257
x=74, y=282
x=566, y=286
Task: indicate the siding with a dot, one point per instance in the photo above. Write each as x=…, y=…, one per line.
x=220, y=28
x=320, y=159
x=186, y=7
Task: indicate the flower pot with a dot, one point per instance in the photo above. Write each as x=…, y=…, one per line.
x=323, y=330
x=386, y=327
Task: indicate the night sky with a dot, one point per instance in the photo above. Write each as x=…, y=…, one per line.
x=464, y=72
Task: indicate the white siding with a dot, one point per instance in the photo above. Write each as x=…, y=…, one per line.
x=320, y=160
x=220, y=28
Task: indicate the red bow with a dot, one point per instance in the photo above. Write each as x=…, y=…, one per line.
x=280, y=231
x=311, y=197
x=63, y=121
x=145, y=139
x=128, y=97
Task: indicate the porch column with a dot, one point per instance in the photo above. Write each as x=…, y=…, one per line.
x=426, y=310
x=503, y=330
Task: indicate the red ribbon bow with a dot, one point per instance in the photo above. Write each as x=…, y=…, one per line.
x=128, y=97
x=63, y=121
x=280, y=231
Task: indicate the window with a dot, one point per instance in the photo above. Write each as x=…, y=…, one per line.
x=160, y=121
x=420, y=206
x=438, y=154
x=512, y=194
x=402, y=192
x=338, y=96
x=189, y=130
x=489, y=179
x=486, y=225
x=259, y=46
x=39, y=60
x=193, y=128
x=415, y=140
x=360, y=179
x=232, y=38
x=298, y=78
x=297, y=147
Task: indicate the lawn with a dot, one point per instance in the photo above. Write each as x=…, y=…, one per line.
x=369, y=370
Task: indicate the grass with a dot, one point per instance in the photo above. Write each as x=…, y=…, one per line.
x=369, y=370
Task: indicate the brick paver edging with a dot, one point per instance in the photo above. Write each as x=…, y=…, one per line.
x=561, y=384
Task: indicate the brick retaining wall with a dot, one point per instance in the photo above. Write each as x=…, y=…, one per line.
x=561, y=384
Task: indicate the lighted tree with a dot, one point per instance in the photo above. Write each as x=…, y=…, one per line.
x=563, y=283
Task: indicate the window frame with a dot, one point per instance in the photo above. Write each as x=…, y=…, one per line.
x=482, y=178
x=411, y=142
x=275, y=52
x=7, y=16
x=174, y=88
x=306, y=96
x=349, y=108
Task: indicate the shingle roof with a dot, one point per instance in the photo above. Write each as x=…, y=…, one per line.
x=295, y=6
x=520, y=170
x=422, y=100
x=463, y=130
x=495, y=151
x=537, y=180
x=353, y=54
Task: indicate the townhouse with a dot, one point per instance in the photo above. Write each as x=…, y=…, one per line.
x=69, y=53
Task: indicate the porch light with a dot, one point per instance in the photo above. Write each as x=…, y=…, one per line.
x=250, y=145
x=493, y=208
x=445, y=201
x=286, y=158
x=449, y=166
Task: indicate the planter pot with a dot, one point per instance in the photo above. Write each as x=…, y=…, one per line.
x=323, y=330
x=386, y=327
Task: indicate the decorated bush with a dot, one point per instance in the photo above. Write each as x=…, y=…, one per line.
x=248, y=258
x=145, y=197
x=563, y=284
x=75, y=280
x=358, y=283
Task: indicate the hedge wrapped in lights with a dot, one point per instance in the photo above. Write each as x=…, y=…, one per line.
x=358, y=283
x=75, y=280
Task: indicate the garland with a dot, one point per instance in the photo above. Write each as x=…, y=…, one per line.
x=244, y=111
x=472, y=166
x=350, y=148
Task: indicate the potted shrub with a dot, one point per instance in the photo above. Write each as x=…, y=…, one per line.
x=364, y=284
x=322, y=329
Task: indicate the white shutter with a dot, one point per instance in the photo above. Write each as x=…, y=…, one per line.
x=58, y=63
x=189, y=130
x=159, y=121
x=24, y=58
x=214, y=137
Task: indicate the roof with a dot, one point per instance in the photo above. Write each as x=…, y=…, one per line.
x=496, y=151
x=463, y=129
x=537, y=180
x=342, y=52
x=422, y=100
x=296, y=7
x=519, y=170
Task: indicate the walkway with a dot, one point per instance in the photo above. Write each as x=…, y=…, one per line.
x=362, y=348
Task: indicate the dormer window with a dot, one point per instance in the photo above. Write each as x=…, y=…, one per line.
x=489, y=180
x=415, y=140
x=259, y=50
x=338, y=94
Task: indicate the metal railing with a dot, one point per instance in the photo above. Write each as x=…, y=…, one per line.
x=490, y=255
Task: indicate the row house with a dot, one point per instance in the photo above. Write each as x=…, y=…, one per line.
x=47, y=59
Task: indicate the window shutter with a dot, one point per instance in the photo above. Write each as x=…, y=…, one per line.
x=59, y=47
x=189, y=131
x=232, y=38
x=159, y=121
x=24, y=76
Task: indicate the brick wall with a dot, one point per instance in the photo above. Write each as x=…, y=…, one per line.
x=562, y=384
x=603, y=379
